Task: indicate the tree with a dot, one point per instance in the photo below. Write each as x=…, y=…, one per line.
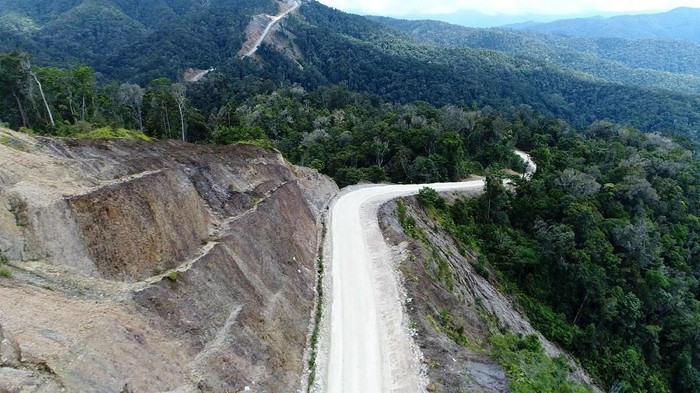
x=131, y=95
x=28, y=68
x=179, y=92
x=14, y=83
x=380, y=148
x=159, y=103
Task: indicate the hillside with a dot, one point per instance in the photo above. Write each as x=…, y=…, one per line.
x=678, y=24
x=126, y=38
x=367, y=56
x=599, y=248
x=161, y=266
x=672, y=65
x=187, y=220
x=323, y=46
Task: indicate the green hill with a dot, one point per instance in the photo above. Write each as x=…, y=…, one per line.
x=678, y=24
x=673, y=65
x=437, y=63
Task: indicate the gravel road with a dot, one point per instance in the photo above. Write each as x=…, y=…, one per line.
x=370, y=347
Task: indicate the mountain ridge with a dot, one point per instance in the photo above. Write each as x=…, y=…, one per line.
x=672, y=65
x=679, y=24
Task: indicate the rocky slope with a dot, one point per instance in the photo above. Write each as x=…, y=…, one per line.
x=447, y=298
x=160, y=266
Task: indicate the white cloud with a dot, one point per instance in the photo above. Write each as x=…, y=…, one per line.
x=509, y=7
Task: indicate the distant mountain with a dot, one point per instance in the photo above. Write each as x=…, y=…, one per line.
x=368, y=57
x=477, y=19
x=677, y=24
x=130, y=40
x=673, y=65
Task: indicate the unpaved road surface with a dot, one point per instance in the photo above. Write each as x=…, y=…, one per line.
x=370, y=350
x=370, y=346
x=265, y=32
x=201, y=75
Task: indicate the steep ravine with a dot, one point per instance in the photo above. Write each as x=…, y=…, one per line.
x=160, y=266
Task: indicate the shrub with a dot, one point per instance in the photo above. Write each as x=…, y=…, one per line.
x=429, y=197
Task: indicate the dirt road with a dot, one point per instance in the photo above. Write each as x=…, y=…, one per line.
x=265, y=32
x=370, y=347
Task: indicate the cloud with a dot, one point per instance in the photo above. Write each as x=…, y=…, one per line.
x=509, y=7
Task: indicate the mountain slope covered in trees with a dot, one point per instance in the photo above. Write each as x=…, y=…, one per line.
x=678, y=24
x=163, y=38
x=367, y=57
x=129, y=39
x=672, y=65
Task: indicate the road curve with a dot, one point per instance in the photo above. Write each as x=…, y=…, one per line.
x=265, y=32
x=370, y=350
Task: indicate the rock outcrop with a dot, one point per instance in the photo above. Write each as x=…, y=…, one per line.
x=161, y=266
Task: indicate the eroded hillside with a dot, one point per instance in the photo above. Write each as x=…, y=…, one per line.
x=158, y=266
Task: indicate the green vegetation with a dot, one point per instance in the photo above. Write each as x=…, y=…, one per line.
x=528, y=369
x=5, y=272
x=318, y=313
x=129, y=40
x=13, y=143
x=601, y=250
x=408, y=223
x=453, y=331
x=673, y=25
x=672, y=65
x=152, y=45
x=375, y=59
x=113, y=133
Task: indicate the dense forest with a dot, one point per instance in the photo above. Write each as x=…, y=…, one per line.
x=129, y=40
x=379, y=60
x=163, y=38
x=665, y=64
x=600, y=247
x=677, y=24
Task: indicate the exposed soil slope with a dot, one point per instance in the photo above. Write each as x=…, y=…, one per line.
x=154, y=266
x=261, y=25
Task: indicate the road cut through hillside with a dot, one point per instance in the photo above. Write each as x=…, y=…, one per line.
x=370, y=347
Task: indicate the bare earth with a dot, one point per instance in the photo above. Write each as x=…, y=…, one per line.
x=260, y=27
x=149, y=267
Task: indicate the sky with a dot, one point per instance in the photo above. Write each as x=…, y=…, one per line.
x=399, y=8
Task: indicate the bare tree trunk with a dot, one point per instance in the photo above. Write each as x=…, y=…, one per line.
x=167, y=122
x=70, y=106
x=22, y=112
x=580, y=308
x=43, y=97
x=139, y=118
x=182, y=120
x=82, y=110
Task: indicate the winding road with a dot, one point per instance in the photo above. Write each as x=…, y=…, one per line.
x=265, y=32
x=370, y=348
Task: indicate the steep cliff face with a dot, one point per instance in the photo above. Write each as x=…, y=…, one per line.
x=154, y=266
